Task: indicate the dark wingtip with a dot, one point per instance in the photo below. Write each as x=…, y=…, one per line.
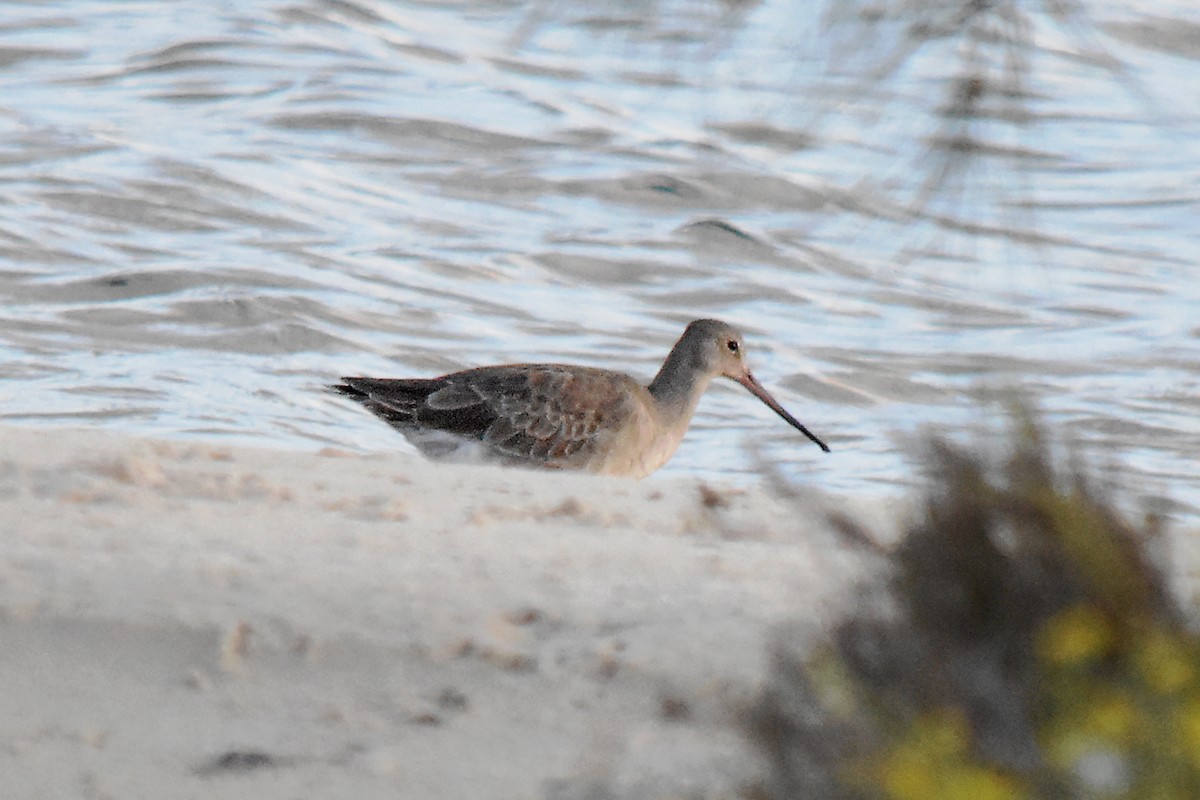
x=346, y=388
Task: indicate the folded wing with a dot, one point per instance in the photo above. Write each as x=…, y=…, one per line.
x=540, y=414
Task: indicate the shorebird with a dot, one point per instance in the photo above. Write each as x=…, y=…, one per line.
x=557, y=416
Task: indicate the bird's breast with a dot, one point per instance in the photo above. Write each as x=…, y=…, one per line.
x=642, y=446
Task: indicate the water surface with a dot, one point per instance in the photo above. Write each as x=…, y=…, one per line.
x=209, y=210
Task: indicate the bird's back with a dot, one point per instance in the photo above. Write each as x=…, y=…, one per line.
x=544, y=415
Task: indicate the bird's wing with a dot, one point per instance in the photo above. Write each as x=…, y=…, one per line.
x=546, y=413
x=404, y=404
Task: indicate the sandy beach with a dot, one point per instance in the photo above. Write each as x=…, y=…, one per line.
x=187, y=620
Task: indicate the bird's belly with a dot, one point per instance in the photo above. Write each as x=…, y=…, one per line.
x=635, y=450
x=448, y=447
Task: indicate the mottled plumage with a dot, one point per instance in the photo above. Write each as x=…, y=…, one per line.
x=565, y=417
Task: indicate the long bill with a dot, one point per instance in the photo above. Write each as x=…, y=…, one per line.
x=750, y=382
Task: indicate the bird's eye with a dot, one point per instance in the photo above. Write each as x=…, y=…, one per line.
x=732, y=345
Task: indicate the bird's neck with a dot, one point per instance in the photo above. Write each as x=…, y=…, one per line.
x=678, y=386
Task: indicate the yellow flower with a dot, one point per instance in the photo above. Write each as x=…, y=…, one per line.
x=1112, y=717
x=932, y=742
x=1187, y=724
x=933, y=761
x=977, y=783
x=1076, y=634
x=1164, y=662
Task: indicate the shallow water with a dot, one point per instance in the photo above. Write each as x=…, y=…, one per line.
x=212, y=209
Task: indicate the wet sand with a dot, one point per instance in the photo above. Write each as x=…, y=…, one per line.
x=187, y=620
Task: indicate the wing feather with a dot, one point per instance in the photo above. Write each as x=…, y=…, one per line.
x=453, y=396
x=547, y=413
x=539, y=414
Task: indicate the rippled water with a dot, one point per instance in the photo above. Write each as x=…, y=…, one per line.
x=211, y=209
